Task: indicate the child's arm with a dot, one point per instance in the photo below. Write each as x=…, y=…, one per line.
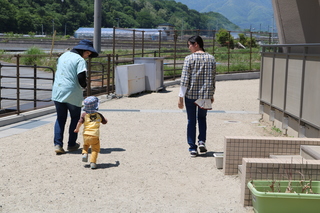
x=104, y=120
x=78, y=127
x=80, y=122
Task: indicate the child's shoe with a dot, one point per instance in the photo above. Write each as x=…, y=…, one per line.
x=84, y=157
x=93, y=165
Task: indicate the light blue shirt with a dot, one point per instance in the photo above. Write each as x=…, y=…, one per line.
x=66, y=87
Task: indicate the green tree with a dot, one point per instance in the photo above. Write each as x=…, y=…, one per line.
x=24, y=16
x=145, y=19
x=129, y=11
x=113, y=5
x=7, y=16
x=224, y=38
x=242, y=38
x=251, y=42
x=246, y=41
x=125, y=21
x=158, y=5
x=25, y=24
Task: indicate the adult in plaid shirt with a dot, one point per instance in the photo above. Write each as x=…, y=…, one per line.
x=197, y=89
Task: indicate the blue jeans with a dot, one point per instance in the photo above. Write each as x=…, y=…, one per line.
x=62, y=114
x=194, y=114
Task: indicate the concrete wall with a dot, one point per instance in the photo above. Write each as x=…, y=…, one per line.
x=288, y=92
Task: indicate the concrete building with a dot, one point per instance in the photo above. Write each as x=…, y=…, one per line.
x=297, y=21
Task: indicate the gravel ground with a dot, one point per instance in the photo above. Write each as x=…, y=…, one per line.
x=144, y=164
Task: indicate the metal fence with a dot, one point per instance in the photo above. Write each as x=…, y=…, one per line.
x=173, y=48
x=101, y=76
x=24, y=88
x=22, y=85
x=290, y=76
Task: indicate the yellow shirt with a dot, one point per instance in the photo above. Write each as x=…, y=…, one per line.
x=92, y=124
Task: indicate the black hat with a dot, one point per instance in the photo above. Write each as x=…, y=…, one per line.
x=87, y=45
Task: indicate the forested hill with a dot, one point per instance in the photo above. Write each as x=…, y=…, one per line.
x=256, y=14
x=26, y=16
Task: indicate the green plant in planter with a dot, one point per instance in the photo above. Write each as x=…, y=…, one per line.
x=285, y=196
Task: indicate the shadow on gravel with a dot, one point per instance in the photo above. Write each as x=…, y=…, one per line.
x=104, y=165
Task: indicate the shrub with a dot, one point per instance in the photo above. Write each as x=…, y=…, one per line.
x=33, y=59
x=246, y=41
x=224, y=38
x=242, y=38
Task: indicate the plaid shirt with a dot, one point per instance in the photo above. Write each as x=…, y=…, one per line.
x=198, y=75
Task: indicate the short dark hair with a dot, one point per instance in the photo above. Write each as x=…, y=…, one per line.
x=198, y=39
x=80, y=51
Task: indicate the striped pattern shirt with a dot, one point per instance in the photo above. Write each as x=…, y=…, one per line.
x=198, y=76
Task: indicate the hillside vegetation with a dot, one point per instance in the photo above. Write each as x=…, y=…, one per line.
x=257, y=14
x=37, y=16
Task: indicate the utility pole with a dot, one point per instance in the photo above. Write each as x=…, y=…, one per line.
x=52, y=26
x=272, y=28
x=260, y=28
x=97, y=25
x=182, y=30
x=65, y=24
x=118, y=19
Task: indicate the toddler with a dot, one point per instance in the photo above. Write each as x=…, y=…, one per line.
x=91, y=120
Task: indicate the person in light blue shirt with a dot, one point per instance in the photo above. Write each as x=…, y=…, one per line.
x=67, y=92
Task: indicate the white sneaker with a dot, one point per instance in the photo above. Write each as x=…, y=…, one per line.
x=84, y=157
x=93, y=165
x=193, y=154
x=202, y=146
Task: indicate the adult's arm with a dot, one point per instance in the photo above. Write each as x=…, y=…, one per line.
x=82, y=78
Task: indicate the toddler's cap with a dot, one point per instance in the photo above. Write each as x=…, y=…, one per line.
x=91, y=104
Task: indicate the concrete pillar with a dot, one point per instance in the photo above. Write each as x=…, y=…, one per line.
x=297, y=21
